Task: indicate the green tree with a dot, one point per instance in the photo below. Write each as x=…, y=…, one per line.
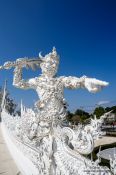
x=83, y=115
x=10, y=105
x=81, y=112
x=113, y=108
x=69, y=116
x=107, y=109
x=99, y=111
x=76, y=119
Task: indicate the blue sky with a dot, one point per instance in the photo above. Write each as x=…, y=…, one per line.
x=83, y=32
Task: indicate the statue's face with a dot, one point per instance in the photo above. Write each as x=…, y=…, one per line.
x=49, y=67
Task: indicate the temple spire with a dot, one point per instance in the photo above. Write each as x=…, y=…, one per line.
x=4, y=95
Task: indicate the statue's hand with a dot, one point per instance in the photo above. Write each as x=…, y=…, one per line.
x=21, y=62
x=94, y=85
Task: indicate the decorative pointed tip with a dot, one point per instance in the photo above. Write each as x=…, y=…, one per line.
x=95, y=117
x=40, y=55
x=54, y=49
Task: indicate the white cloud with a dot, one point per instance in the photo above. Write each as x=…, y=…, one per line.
x=103, y=102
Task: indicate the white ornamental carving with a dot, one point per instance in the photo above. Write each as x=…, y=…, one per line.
x=39, y=133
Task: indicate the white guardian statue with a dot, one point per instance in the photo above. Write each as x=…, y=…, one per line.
x=53, y=149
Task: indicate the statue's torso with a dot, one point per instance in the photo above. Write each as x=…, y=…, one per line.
x=50, y=92
x=47, y=88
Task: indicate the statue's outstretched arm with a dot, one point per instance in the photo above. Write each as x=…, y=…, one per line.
x=73, y=82
x=21, y=83
x=91, y=84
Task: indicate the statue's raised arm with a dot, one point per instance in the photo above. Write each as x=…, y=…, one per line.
x=91, y=84
x=19, y=82
x=19, y=64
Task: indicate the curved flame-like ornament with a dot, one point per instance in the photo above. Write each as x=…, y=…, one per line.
x=40, y=56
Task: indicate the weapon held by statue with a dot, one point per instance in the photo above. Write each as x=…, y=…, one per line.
x=24, y=62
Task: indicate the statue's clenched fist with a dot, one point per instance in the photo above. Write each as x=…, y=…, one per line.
x=94, y=85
